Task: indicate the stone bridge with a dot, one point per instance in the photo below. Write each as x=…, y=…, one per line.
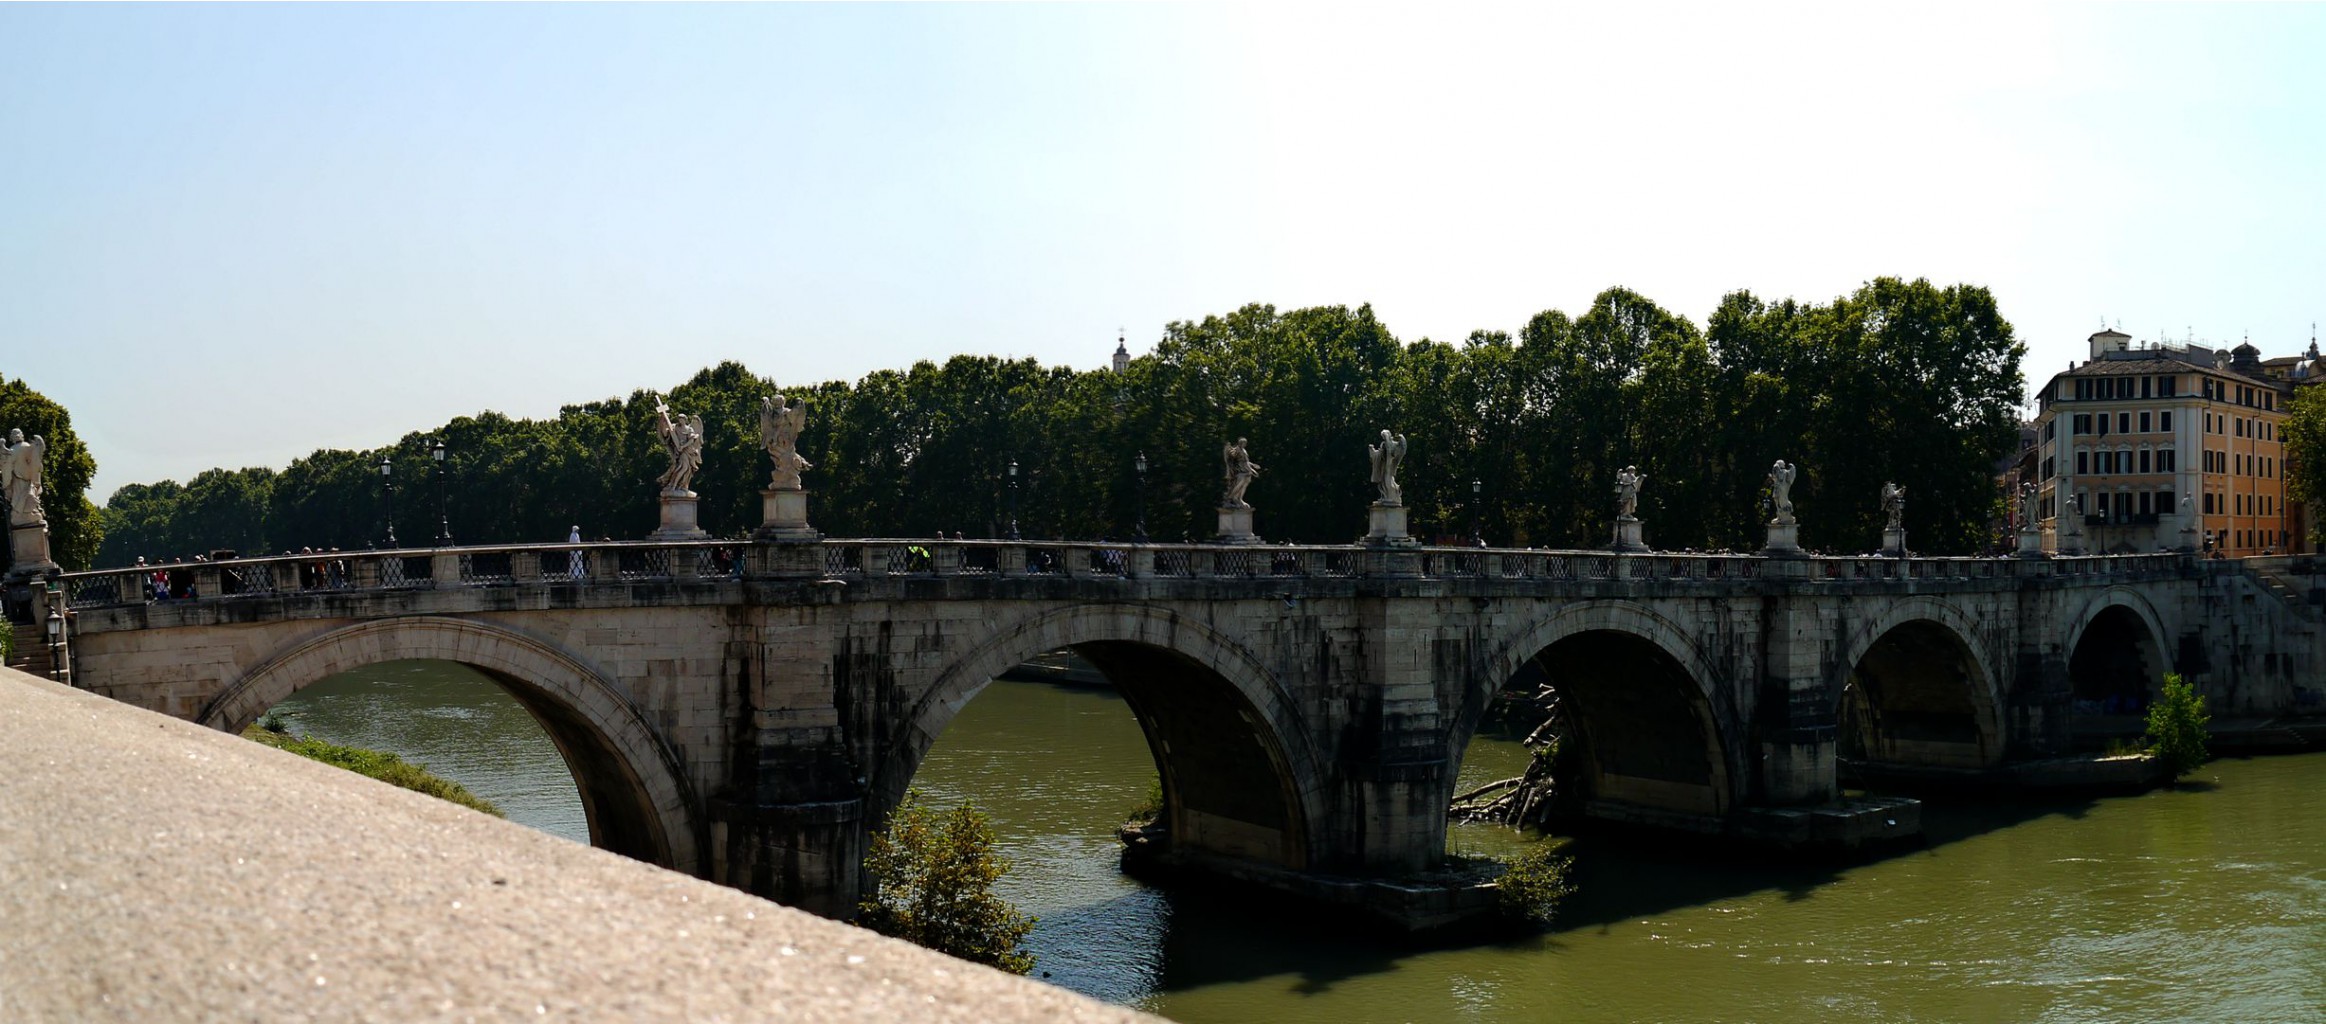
x=748, y=712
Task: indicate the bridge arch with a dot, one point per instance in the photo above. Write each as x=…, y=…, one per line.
x=1658, y=744
x=1916, y=685
x=2116, y=651
x=632, y=787
x=1240, y=776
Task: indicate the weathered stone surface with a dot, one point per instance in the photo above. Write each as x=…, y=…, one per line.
x=151, y=870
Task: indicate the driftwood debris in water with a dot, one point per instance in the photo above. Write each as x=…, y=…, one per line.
x=1528, y=800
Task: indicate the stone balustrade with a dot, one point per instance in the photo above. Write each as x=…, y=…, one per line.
x=626, y=562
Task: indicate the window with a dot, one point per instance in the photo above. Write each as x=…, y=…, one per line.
x=2046, y=468
x=2124, y=423
x=2083, y=462
x=2144, y=423
x=2102, y=421
x=2081, y=424
x=2164, y=420
x=2051, y=429
x=2083, y=389
x=2269, y=400
x=2208, y=502
x=2165, y=385
x=2164, y=499
x=2144, y=460
x=2164, y=460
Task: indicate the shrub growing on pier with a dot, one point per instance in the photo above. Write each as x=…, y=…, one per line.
x=1535, y=883
x=932, y=875
x=2176, y=727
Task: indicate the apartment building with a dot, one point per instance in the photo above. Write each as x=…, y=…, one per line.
x=2143, y=448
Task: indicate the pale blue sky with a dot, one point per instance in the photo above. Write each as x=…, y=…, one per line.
x=231, y=235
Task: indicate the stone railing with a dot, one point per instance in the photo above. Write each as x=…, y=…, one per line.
x=603, y=563
x=412, y=568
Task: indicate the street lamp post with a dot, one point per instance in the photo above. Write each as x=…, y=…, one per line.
x=388, y=488
x=56, y=639
x=1014, y=499
x=1477, y=513
x=443, y=522
x=1139, y=532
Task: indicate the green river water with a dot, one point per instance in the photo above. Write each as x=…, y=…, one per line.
x=2206, y=903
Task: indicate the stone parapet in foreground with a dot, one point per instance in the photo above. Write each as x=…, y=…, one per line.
x=153, y=869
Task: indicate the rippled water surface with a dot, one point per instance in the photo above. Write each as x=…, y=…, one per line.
x=2202, y=904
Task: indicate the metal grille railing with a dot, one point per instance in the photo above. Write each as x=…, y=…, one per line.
x=649, y=564
x=487, y=568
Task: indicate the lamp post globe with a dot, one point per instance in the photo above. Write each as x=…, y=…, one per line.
x=443, y=522
x=1477, y=513
x=1014, y=499
x=56, y=638
x=1139, y=468
x=388, y=490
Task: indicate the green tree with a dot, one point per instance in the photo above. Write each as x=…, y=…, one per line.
x=75, y=528
x=2305, y=435
x=1899, y=381
x=932, y=875
x=2176, y=727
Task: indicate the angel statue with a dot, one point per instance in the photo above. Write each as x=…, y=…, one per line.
x=1240, y=471
x=1628, y=482
x=1387, y=456
x=21, y=462
x=1894, y=505
x=780, y=423
x=683, y=436
x=1781, y=491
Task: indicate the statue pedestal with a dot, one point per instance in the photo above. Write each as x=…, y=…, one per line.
x=2188, y=535
x=1784, y=538
x=1386, y=527
x=28, y=550
x=2071, y=537
x=784, y=517
x=1627, y=535
x=678, y=518
x=1894, y=541
x=1236, y=526
x=2030, y=543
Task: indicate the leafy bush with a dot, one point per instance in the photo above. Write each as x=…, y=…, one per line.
x=7, y=640
x=1535, y=883
x=2176, y=727
x=932, y=875
x=377, y=764
x=1150, y=805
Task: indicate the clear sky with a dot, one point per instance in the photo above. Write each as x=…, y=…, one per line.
x=230, y=235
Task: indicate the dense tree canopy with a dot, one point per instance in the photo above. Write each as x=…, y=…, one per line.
x=1899, y=380
x=75, y=524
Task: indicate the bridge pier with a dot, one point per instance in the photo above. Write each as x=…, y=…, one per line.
x=1797, y=738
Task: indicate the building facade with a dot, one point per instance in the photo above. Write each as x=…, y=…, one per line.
x=2145, y=448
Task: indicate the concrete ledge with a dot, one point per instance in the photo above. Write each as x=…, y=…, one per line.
x=151, y=869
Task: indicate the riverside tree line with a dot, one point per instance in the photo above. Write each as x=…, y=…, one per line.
x=1898, y=381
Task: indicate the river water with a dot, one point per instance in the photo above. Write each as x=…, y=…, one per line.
x=2206, y=903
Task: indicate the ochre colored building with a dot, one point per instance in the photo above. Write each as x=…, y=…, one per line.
x=2142, y=448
